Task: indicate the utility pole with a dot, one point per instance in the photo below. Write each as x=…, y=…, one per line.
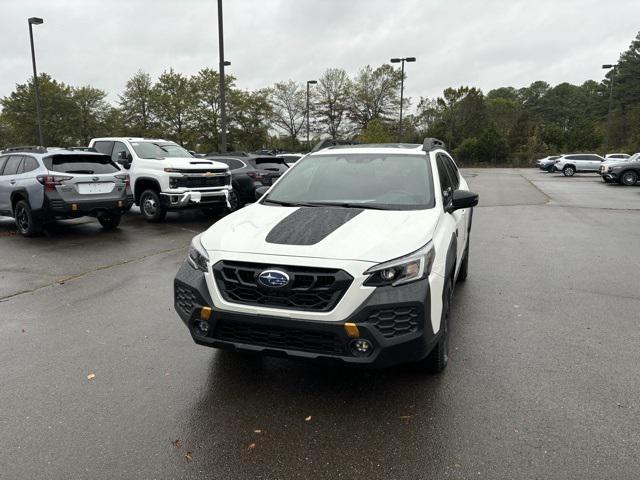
x=36, y=21
x=402, y=60
x=223, y=107
x=309, y=82
x=611, y=67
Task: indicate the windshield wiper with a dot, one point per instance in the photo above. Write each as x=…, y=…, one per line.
x=351, y=205
x=291, y=204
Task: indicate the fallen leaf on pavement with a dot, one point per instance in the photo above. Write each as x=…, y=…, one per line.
x=257, y=431
x=188, y=456
x=251, y=446
x=91, y=376
x=307, y=418
x=176, y=443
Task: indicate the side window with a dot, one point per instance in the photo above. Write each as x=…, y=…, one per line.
x=454, y=174
x=572, y=157
x=29, y=164
x=3, y=160
x=234, y=164
x=104, y=146
x=117, y=148
x=446, y=185
x=12, y=166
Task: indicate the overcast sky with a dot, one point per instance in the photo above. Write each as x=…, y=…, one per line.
x=488, y=43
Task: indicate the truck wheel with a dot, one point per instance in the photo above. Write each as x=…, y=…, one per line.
x=438, y=359
x=569, y=171
x=629, y=178
x=464, y=266
x=27, y=224
x=150, y=206
x=109, y=221
x=234, y=201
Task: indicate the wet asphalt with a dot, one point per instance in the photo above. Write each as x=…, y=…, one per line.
x=543, y=381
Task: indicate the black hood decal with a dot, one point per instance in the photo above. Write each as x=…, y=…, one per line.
x=310, y=225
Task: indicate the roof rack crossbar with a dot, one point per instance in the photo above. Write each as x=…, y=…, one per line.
x=26, y=148
x=330, y=142
x=432, y=144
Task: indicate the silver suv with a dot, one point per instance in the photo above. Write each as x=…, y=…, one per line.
x=569, y=165
x=39, y=185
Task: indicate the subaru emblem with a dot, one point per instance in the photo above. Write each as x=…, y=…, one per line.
x=273, y=278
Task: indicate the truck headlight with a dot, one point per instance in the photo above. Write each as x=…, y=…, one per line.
x=410, y=268
x=197, y=255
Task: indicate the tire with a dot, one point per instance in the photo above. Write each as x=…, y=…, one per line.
x=464, y=266
x=109, y=221
x=234, y=201
x=569, y=171
x=438, y=359
x=27, y=224
x=628, y=178
x=150, y=206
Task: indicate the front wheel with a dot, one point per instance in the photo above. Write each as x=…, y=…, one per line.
x=150, y=206
x=109, y=221
x=27, y=224
x=629, y=178
x=569, y=171
x=438, y=359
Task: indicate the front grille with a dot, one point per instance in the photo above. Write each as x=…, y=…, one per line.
x=316, y=289
x=201, y=170
x=57, y=204
x=199, y=182
x=391, y=322
x=185, y=298
x=279, y=337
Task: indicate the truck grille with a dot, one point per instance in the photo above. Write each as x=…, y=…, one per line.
x=199, y=182
x=278, y=337
x=314, y=289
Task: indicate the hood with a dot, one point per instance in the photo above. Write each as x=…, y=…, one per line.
x=322, y=232
x=193, y=163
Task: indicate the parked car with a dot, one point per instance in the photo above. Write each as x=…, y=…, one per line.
x=607, y=163
x=569, y=165
x=616, y=156
x=165, y=176
x=351, y=257
x=251, y=172
x=291, y=158
x=625, y=173
x=546, y=163
x=38, y=186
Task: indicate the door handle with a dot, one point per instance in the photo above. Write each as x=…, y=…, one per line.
x=12, y=182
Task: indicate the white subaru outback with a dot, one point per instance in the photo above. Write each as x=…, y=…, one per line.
x=350, y=257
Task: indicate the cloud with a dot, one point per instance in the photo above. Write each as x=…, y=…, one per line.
x=465, y=42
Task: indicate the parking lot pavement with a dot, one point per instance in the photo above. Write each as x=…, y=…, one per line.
x=543, y=381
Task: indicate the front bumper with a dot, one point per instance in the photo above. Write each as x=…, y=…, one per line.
x=610, y=177
x=195, y=199
x=395, y=320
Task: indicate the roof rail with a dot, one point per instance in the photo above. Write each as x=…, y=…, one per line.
x=432, y=144
x=28, y=148
x=330, y=142
x=81, y=149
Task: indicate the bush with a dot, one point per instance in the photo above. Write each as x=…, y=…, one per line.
x=490, y=147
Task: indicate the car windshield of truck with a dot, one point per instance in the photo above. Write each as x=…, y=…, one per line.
x=80, y=164
x=377, y=181
x=174, y=150
x=154, y=151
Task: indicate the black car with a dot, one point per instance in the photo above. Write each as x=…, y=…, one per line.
x=252, y=171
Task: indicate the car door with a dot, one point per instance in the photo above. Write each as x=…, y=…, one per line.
x=448, y=184
x=594, y=162
x=5, y=192
x=9, y=180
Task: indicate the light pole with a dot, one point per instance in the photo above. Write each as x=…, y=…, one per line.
x=611, y=67
x=223, y=106
x=36, y=21
x=309, y=82
x=402, y=60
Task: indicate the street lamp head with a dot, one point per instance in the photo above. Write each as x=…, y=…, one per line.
x=35, y=21
x=609, y=66
x=311, y=82
x=410, y=59
x=227, y=63
x=395, y=60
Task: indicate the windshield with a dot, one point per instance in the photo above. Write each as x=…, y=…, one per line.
x=149, y=150
x=393, y=182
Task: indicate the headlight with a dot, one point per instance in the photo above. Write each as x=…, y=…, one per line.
x=197, y=255
x=410, y=268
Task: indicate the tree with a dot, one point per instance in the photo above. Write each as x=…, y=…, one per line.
x=288, y=104
x=330, y=102
x=58, y=113
x=250, y=113
x=375, y=95
x=173, y=100
x=135, y=104
x=91, y=112
x=375, y=132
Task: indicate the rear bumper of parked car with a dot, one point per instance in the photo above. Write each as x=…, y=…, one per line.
x=195, y=199
x=396, y=321
x=56, y=207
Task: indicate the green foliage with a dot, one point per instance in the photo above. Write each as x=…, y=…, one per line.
x=374, y=95
x=490, y=147
x=375, y=132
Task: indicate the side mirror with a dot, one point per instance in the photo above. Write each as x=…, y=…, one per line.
x=260, y=191
x=462, y=199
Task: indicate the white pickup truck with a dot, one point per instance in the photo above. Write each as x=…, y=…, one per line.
x=165, y=176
